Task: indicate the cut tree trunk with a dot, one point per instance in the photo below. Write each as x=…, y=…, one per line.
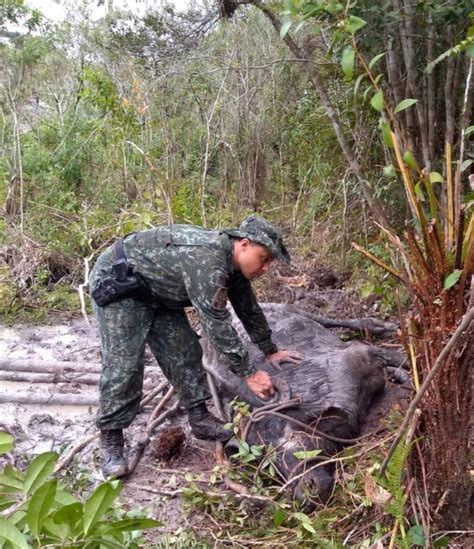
x=59, y=377
x=60, y=399
x=48, y=366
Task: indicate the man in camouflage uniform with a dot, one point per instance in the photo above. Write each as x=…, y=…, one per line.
x=166, y=269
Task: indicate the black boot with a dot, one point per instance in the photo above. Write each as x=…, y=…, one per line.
x=207, y=427
x=113, y=462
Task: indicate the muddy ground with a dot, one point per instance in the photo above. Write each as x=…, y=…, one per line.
x=45, y=427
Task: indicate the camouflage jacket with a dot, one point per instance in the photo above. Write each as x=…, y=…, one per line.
x=185, y=265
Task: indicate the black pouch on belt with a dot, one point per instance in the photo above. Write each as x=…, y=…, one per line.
x=120, y=283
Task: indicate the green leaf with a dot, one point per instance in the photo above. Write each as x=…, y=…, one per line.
x=309, y=527
x=357, y=83
x=244, y=447
x=376, y=59
x=64, y=498
x=377, y=101
x=6, y=443
x=416, y=535
x=404, y=105
x=10, y=480
x=387, y=134
x=436, y=177
x=18, y=519
x=278, y=517
x=39, y=470
x=466, y=164
x=468, y=130
x=367, y=90
x=290, y=6
x=58, y=532
x=307, y=454
x=347, y=62
x=377, y=78
x=353, y=24
x=12, y=534
x=389, y=171
x=410, y=161
x=39, y=505
x=6, y=501
x=285, y=28
x=69, y=516
x=468, y=198
x=129, y=525
x=451, y=279
x=257, y=450
x=419, y=192
x=299, y=26
x=99, y=502
x=441, y=542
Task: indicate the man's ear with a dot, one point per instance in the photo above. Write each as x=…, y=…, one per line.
x=245, y=243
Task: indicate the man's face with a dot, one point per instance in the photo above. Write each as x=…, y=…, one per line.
x=254, y=260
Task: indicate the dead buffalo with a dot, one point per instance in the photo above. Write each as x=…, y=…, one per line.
x=329, y=394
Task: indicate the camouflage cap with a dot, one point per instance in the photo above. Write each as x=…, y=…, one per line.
x=262, y=232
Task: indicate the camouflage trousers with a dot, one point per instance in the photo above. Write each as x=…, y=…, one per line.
x=126, y=327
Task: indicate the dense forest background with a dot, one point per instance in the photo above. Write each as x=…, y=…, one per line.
x=114, y=125
x=341, y=122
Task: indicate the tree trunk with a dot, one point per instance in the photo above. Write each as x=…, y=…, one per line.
x=52, y=399
x=48, y=366
x=446, y=409
x=446, y=424
x=59, y=377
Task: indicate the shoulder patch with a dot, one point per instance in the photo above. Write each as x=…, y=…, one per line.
x=219, y=300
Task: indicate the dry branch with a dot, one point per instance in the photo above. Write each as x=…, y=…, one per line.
x=67, y=458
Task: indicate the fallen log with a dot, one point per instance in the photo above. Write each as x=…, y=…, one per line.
x=58, y=377
x=47, y=366
x=60, y=399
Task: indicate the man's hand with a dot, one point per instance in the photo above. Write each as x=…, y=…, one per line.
x=261, y=384
x=285, y=355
